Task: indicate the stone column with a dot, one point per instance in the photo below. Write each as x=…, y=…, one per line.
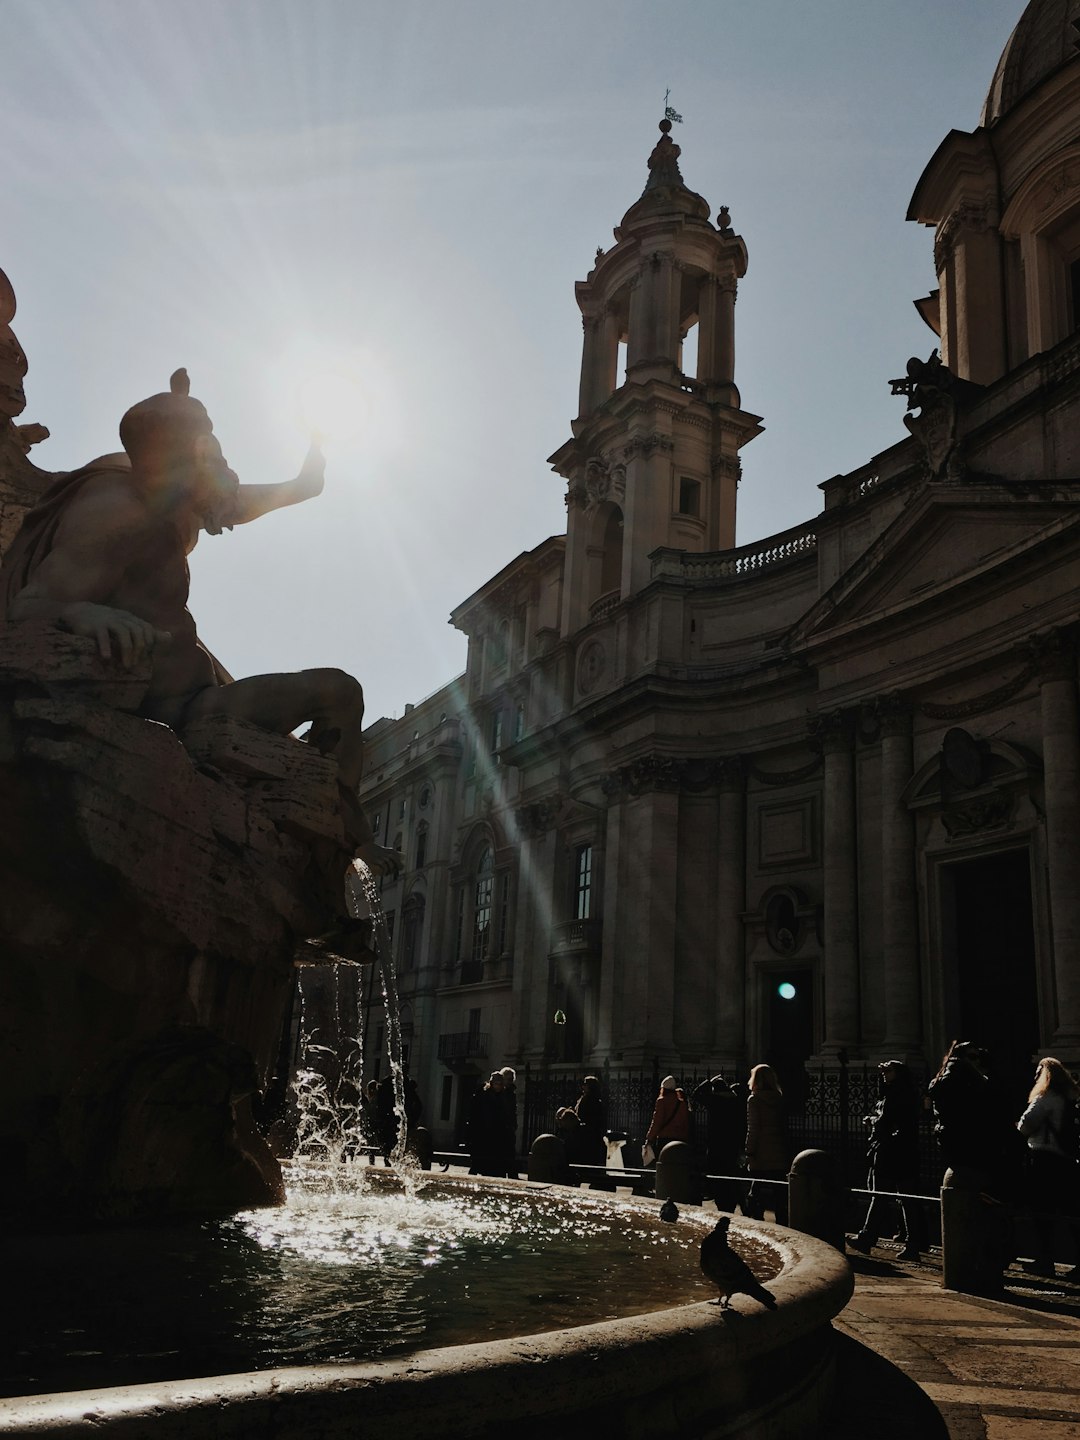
x=1061, y=762
x=730, y=903
x=899, y=911
x=725, y=331
x=840, y=887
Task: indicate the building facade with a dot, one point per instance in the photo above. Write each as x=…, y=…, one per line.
x=806, y=800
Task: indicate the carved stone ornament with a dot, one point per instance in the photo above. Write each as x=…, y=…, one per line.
x=604, y=482
x=967, y=216
x=937, y=394
x=645, y=445
x=591, y=667
x=1053, y=656
x=1064, y=180
x=979, y=814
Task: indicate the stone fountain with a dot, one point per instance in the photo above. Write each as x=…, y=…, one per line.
x=169, y=853
x=168, y=849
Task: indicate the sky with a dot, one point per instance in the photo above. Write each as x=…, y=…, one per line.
x=396, y=199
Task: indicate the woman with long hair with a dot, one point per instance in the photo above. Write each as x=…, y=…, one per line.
x=1049, y=1127
x=767, y=1148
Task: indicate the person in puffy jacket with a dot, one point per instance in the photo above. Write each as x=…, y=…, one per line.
x=1049, y=1127
x=671, y=1116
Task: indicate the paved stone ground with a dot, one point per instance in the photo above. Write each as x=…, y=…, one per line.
x=1005, y=1369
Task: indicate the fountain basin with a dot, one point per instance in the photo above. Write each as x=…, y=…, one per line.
x=685, y=1371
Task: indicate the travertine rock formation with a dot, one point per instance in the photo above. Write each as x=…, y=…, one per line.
x=153, y=898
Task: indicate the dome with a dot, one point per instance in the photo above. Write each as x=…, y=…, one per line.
x=1047, y=37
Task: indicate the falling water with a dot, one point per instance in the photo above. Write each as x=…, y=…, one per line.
x=329, y=1083
x=391, y=1008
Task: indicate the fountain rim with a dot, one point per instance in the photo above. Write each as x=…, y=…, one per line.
x=441, y=1388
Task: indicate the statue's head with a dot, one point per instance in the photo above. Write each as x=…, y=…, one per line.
x=172, y=435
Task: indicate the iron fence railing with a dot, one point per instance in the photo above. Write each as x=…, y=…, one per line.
x=826, y=1108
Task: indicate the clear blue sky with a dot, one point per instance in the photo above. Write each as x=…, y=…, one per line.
x=261, y=190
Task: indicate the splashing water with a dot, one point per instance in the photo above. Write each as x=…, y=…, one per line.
x=332, y=1130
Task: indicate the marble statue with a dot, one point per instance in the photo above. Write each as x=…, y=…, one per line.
x=104, y=555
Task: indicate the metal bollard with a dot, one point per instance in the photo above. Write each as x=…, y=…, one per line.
x=547, y=1161
x=677, y=1174
x=817, y=1197
x=974, y=1234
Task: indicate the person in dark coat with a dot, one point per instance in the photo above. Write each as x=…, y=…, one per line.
x=671, y=1116
x=892, y=1152
x=487, y=1128
x=973, y=1125
x=726, y=1130
x=509, y=1098
x=592, y=1116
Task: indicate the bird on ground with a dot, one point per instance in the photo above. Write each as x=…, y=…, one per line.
x=728, y=1271
x=669, y=1211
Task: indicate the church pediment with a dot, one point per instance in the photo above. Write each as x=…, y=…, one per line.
x=942, y=543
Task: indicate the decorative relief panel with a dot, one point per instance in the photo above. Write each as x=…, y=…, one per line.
x=787, y=833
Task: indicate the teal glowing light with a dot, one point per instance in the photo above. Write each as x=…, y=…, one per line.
x=786, y=991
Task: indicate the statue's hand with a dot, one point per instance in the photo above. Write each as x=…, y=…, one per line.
x=380, y=859
x=134, y=637
x=309, y=482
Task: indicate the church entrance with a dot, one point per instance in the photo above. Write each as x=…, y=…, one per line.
x=789, y=1032
x=989, y=956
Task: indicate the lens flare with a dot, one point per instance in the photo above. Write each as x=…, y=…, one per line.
x=786, y=991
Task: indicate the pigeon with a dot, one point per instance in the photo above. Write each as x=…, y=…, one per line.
x=728, y=1271
x=669, y=1211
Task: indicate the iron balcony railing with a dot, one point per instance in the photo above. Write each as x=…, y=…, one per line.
x=464, y=1045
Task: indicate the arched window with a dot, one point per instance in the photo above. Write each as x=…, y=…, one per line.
x=483, y=898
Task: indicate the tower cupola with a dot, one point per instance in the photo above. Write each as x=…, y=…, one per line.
x=654, y=457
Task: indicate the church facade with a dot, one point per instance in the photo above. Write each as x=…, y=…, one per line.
x=810, y=799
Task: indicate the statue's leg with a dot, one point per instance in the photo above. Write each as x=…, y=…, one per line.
x=329, y=700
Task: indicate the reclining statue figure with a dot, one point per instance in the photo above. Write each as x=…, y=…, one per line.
x=104, y=555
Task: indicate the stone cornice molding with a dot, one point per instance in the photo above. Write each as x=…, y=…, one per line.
x=784, y=777
x=979, y=704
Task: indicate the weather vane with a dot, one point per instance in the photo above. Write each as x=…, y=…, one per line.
x=669, y=113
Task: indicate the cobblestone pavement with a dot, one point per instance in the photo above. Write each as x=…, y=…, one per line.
x=1001, y=1369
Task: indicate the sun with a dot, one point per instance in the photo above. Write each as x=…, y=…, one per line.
x=333, y=404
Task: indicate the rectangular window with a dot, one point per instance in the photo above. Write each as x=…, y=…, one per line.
x=376, y=824
x=582, y=882
x=474, y=1024
x=504, y=911
x=689, y=496
x=401, y=810
x=519, y=723
x=497, y=731
x=447, y=1096
x=421, y=847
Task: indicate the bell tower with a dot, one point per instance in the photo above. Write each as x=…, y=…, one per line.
x=654, y=457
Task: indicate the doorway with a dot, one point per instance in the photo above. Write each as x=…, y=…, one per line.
x=991, y=989
x=789, y=1027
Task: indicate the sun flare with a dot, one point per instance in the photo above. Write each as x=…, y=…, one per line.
x=332, y=404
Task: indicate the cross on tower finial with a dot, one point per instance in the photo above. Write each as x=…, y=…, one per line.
x=670, y=114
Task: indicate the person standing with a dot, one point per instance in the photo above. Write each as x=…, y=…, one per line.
x=892, y=1152
x=726, y=1130
x=1049, y=1127
x=487, y=1128
x=671, y=1116
x=509, y=1100
x=590, y=1111
x=767, y=1149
